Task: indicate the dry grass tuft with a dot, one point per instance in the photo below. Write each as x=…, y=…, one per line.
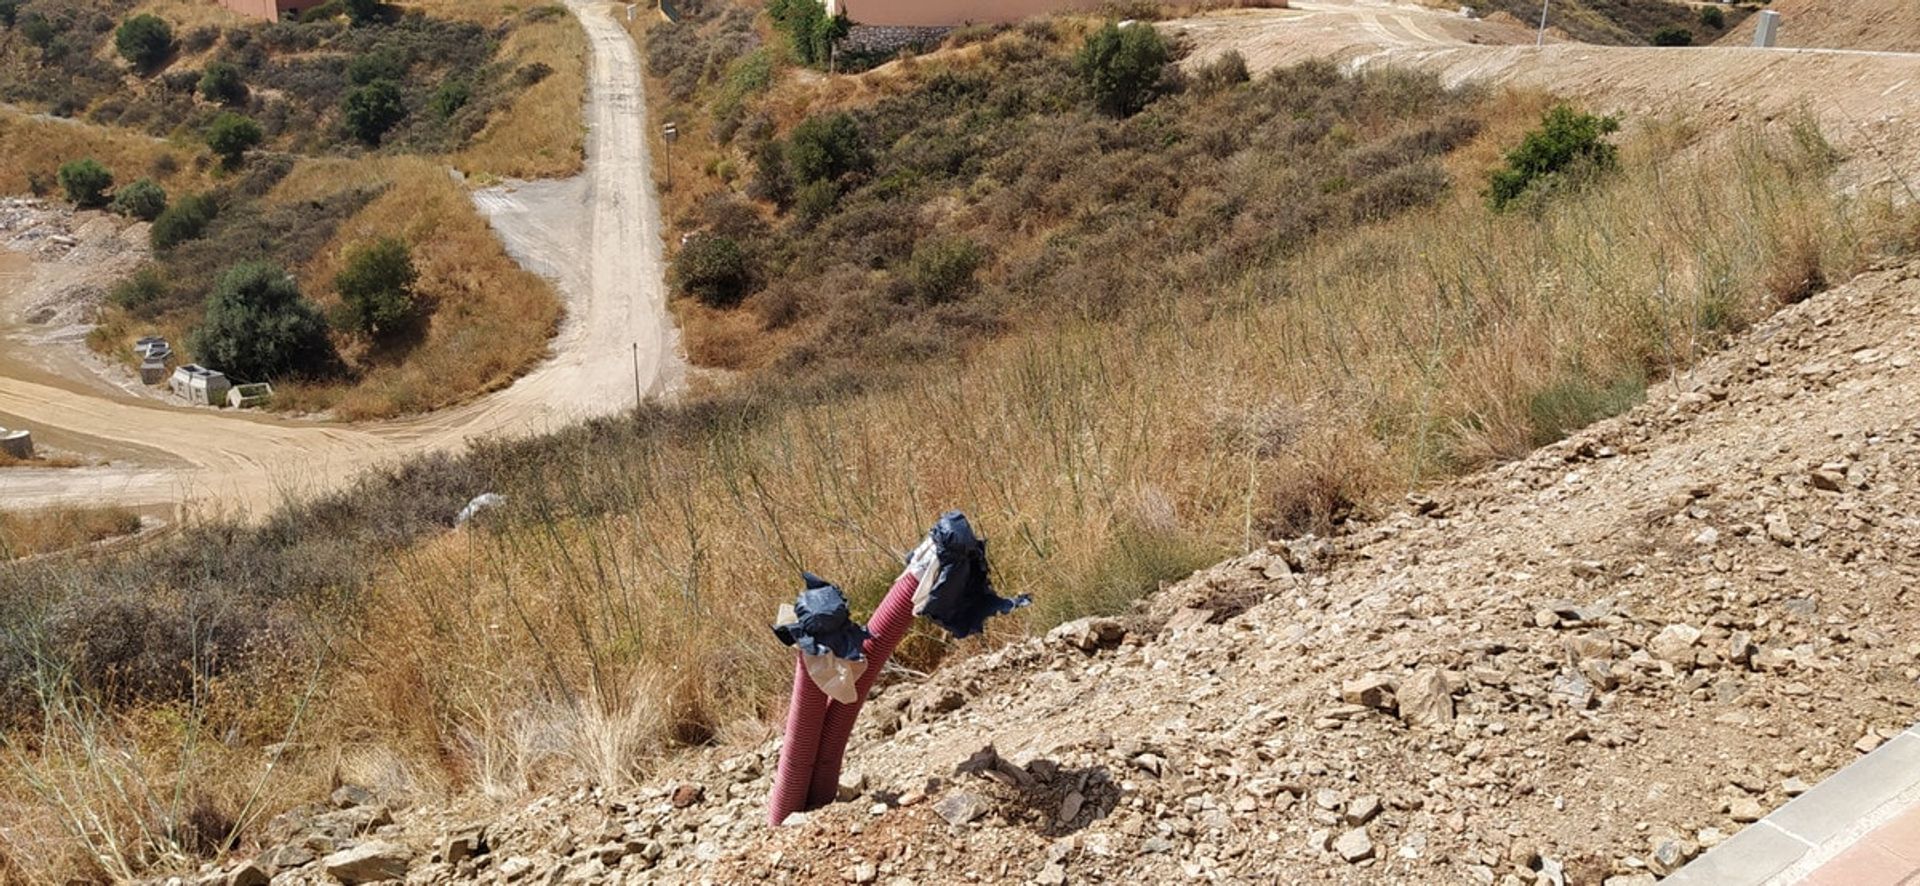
x=32, y=149
x=43, y=532
x=542, y=134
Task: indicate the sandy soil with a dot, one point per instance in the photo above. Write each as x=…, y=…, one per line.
x=598, y=237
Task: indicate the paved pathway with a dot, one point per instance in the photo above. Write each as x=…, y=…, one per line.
x=1861, y=827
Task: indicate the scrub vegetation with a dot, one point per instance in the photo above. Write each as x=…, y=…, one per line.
x=353, y=111
x=1629, y=22
x=1283, y=375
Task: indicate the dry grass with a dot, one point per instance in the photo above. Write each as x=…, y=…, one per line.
x=36, y=146
x=1101, y=459
x=491, y=319
x=542, y=134
x=30, y=533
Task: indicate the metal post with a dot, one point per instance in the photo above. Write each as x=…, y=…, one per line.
x=1541, y=38
x=669, y=134
x=636, y=375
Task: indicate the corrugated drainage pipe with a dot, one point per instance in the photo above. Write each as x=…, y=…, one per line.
x=798, y=750
x=888, y=627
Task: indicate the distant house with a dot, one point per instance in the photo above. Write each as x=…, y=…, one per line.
x=270, y=10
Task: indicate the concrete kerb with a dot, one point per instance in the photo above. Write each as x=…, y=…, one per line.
x=1813, y=828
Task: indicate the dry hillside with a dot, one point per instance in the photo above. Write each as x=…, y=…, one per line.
x=1885, y=25
x=1594, y=662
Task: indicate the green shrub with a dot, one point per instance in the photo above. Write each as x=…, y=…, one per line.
x=380, y=64
x=1121, y=66
x=809, y=30
x=376, y=288
x=231, y=136
x=1225, y=72
x=373, y=109
x=140, y=291
x=1567, y=141
x=824, y=148
x=712, y=269
x=1673, y=36
x=1578, y=401
x=452, y=95
x=1712, y=17
x=257, y=326
x=222, y=82
x=9, y=12
x=771, y=181
x=144, y=200
x=943, y=269
x=185, y=220
x=38, y=30
x=86, y=182
x=362, y=12
x=144, y=41
x=815, y=201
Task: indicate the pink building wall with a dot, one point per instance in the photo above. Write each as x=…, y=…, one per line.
x=269, y=10
x=942, y=13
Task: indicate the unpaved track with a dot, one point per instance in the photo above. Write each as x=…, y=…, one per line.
x=1866, y=102
x=599, y=238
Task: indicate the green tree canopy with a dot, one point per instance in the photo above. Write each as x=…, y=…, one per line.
x=1121, y=66
x=713, y=269
x=144, y=200
x=222, y=82
x=258, y=327
x=373, y=109
x=376, y=287
x=826, y=147
x=144, y=41
x=86, y=182
x=231, y=136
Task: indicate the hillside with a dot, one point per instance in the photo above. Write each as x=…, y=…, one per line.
x=1885, y=25
x=1641, y=635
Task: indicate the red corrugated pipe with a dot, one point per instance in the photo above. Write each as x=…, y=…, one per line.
x=805, y=713
x=888, y=627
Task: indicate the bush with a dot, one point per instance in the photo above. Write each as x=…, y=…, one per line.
x=1712, y=17
x=1225, y=72
x=810, y=31
x=825, y=148
x=231, y=136
x=1121, y=66
x=362, y=12
x=138, y=292
x=1673, y=36
x=221, y=82
x=258, y=327
x=942, y=269
x=9, y=12
x=712, y=269
x=86, y=182
x=376, y=288
x=1567, y=141
x=380, y=64
x=451, y=97
x=144, y=41
x=373, y=109
x=143, y=200
x=183, y=221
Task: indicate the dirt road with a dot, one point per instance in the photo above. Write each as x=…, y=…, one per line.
x=597, y=237
x=1864, y=101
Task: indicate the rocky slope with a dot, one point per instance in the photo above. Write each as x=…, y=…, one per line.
x=1579, y=668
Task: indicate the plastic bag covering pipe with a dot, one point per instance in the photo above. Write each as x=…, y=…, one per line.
x=828, y=641
x=947, y=581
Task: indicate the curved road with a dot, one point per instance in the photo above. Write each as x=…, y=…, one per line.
x=598, y=237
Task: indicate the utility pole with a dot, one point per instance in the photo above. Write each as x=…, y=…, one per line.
x=1541, y=38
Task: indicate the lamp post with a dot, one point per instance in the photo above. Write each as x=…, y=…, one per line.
x=1541, y=38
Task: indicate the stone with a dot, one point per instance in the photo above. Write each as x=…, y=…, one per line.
x=1189, y=618
x=1425, y=700
x=1794, y=787
x=865, y=872
x=1328, y=799
x=853, y=783
x=286, y=858
x=348, y=796
x=1362, y=810
x=1674, y=643
x=1572, y=690
x=1054, y=874
x=247, y=874
x=1371, y=690
x=687, y=794
x=1829, y=481
x=1746, y=810
x=961, y=808
x=1070, y=806
x=1354, y=846
x=1780, y=531
x=1090, y=634
x=462, y=845
x=516, y=867
x=1740, y=647
x=369, y=862
x=1669, y=855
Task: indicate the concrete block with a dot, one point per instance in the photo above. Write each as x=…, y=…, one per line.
x=1767, y=29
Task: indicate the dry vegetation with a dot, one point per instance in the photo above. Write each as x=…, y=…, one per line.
x=41, y=532
x=538, y=135
x=32, y=148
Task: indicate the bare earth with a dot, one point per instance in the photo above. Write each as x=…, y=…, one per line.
x=602, y=247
